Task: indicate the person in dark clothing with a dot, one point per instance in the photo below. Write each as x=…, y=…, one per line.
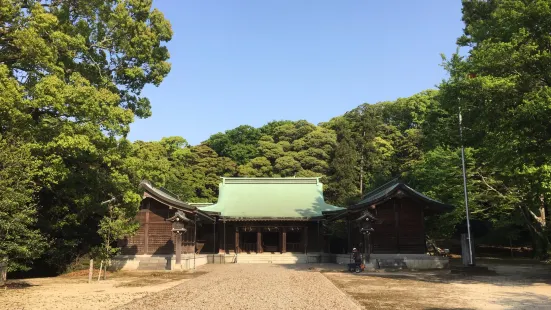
x=356, y=256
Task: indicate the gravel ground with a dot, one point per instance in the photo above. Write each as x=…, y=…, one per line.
x=513, y=287
x=68, y=293
x=250, y=286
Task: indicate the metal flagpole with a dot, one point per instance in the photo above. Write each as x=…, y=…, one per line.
x=465, y=191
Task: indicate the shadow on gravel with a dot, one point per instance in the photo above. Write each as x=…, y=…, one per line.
x=520, y=300
x=450, y=309
x=445, y=277
x=16, y=285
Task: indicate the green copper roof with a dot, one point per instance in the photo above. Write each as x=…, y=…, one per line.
x=270, y=198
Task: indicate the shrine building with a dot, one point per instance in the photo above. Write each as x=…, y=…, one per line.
x=275, y=220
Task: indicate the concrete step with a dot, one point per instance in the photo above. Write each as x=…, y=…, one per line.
x=154, y=259
x=152, y=266
x=268, y=258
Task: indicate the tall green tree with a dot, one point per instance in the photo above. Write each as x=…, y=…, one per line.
x=503, y=89
x=240, y=144
x=343, y=187
x=20, y=240
x=72, y=73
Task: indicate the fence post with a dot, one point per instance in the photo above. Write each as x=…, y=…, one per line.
x=3, y=272
x=91, y=271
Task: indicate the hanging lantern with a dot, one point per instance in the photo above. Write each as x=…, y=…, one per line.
x=178, y=222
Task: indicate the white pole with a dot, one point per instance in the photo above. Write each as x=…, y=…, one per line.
x=469, y=238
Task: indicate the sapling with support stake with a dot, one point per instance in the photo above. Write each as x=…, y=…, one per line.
x=114, y=226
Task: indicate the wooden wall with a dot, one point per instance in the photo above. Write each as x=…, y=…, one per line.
x=154, y=235
x=401, y=229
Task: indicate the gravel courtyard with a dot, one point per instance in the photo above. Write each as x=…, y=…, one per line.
x=514, y=285
x=250, y=286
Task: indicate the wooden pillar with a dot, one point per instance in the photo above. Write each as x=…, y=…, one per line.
x=237, y=250
x=323, y=245
x=424, y=233
x=396, y=225
x=305, y=239
x=318, y=238
x=146, y=232
x=348, y=245
x=259, y=241
x=178, y=246
x=214, y=245
x=225, y=237
x=280, y=240
x=284, y=240
x=194, y=238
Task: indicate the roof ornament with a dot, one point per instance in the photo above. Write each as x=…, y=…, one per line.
x=400, y=194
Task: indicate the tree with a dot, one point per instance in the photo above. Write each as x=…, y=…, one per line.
x=114, y=226
x=287, y=166
x=72, y=74
x=240, y=144
x=257, y=167
x=20, y=240
x=503, y=89
x=343, y=185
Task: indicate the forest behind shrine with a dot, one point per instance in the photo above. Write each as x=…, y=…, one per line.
x=71, y=80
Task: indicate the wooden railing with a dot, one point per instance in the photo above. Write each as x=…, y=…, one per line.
x=249, y=247
x=271, y=248
x=294, y=247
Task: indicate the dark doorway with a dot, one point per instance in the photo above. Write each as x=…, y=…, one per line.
x=270, y=241
x=294, y=242
x=248, y=242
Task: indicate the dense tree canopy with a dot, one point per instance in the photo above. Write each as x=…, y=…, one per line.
x=504, y=90
x=71, y=76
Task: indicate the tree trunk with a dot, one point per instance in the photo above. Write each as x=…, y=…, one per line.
x=538, y=231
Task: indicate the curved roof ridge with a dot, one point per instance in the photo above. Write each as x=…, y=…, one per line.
x=164, y=197
x=264, y=180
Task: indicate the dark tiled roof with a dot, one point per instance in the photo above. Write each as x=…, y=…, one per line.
x=170, y=200
x=164, y=197
x=389, y=189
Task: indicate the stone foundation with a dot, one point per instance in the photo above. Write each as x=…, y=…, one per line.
x=411, y=261
x=189, y=262
x=157, y=262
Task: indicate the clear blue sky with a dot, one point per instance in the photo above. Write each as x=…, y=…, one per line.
x=249, y=62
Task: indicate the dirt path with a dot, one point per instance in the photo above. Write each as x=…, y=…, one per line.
x=75, y=293
x=514, y=287
x=251, y=286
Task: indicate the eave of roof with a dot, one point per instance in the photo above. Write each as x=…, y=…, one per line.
x=164, y=198
x=390, y=189
x=270, y=219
